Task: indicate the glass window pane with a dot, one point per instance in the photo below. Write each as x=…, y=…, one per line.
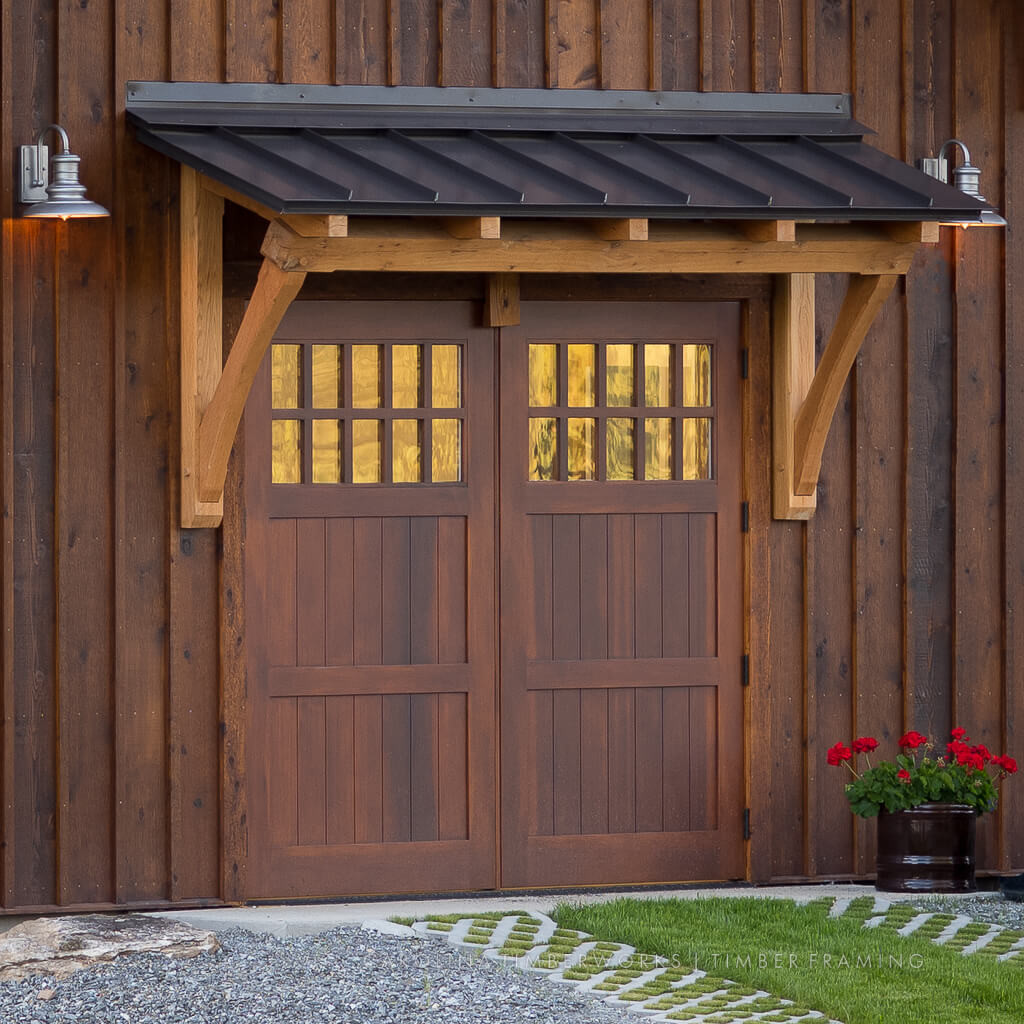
x=582, y=375
x=367, y=451
x=620, y=462
x=286, y=459
x=327, y=393
x=658, y=448
x=326, y=452
x=446, y=376
x=696, y=449
x=582, y=449
x=446, y=451
x=543, y=375
x=696, y=375
x=406, y=376
x=621, y=389
x=543, y=448
x=367, y=378
x=658, y=375
x=286, y=374
x=406, y=451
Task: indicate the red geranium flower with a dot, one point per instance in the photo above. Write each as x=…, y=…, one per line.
x=983, y=751
x=838, y=754
x=903, y=775
x=912, y=740
x=959, y=734
x=1007, y=763
x=864, y=745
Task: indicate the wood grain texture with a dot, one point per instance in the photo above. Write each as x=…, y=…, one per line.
x=624, y=44
x=466, y=45
x=413, y=42
x=520, y=37
x=308, y=37
x=572, y=44
x=197, y=44
x=252, y=41
x=362, y=42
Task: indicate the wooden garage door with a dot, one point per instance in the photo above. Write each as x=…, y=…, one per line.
x=369, y=556
x=621, y=706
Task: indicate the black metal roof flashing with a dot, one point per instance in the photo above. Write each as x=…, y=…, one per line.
x=378, y=150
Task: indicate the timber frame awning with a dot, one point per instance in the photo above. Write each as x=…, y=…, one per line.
x=505, y=182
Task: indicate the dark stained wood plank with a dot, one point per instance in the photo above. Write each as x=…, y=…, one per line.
x=414, y=42
x=519, y=44
x=395, y=756
x=566, y=761
x=340, y=770
x=594, y=587
x=340, y=583
x=649, y=757
x=624, y=44
x=282, y=641
x=622, y=587
x=452, y=603
x=307, y=41
x=362, y=42
x=311, y=771
x=466, y=42
x=197, y=42
x=649, y=601
x=252, y=41
x=423, y=767
x=423, y=607
x=565, y=589
x=538, y=640
x=675, y=576
x=676, y=39
x=594, y=761
x=310, y=592
x=452, y=767
x=282, y=778
x=703, y=593
x=703, y=757
x=828, y=32
x=572, y=44
x=676, y=759
x=731, y=44
x=367, y=768
x=367, y=612
x=621, y=760
x=540, y=730
x=777, y=39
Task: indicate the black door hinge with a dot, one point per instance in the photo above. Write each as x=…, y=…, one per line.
x=746, y=822
x=744, y=363
x=745, y=517
x=745, y=669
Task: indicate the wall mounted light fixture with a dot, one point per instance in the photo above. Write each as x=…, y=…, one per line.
x=966, y=177
x=55, y=192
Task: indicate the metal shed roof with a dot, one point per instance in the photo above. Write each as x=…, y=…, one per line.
x=538, y=153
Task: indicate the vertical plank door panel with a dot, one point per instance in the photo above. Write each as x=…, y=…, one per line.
x=648, y=584
x=423, y=604
x=311, y=771
x=396, y=739
x=594, y=780
x=423, y=767
x=340, y=741
x=620, y=624
x=565, y=715
x=310, y=592
x=340, y=583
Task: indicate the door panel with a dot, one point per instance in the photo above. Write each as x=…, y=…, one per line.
x=620, y=594
x=371, y=638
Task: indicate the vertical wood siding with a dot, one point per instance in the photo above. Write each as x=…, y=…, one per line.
x=898, y=606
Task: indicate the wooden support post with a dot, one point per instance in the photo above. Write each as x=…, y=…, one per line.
x=502, y=300
x=201, y=334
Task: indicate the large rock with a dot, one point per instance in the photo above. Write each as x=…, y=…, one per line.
x=59, y=946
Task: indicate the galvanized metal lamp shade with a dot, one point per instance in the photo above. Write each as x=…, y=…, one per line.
x=967, y=178
x=54, y=191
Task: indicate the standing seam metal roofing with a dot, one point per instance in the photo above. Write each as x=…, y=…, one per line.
x=538, y=153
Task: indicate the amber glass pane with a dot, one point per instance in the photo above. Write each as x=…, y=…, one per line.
x=620, y=449
x=367, y=377
x=696, y=375
x=658, y=375
x=621, y=388
x=286, y=464
x=367, y=451
x=446, y=451
x=446, y=376
x=406, y=451
x=582, y=375
x=696, y=449
x=582, y=449
x=286, y=373
x=327, y=392
x=543, y=448
x=326, y=452
x=658, y=449
x=406, y=376
x=543, y=375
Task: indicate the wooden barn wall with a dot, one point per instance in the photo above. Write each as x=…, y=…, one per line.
x=900, y=605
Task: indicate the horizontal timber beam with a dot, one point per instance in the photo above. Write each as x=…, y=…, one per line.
x=806, y=397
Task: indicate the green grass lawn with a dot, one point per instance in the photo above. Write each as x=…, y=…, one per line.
x=853, y=974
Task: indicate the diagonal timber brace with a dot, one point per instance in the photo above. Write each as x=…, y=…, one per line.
x=805, y=396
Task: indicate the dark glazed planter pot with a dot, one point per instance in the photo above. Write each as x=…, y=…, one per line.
x=929, y=848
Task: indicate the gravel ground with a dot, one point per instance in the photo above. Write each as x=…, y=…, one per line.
x=345, y=975
x=989, y=907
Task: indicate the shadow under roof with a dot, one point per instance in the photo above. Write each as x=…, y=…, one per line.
x=375, y=150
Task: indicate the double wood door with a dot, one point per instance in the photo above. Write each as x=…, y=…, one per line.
x=493, y=598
